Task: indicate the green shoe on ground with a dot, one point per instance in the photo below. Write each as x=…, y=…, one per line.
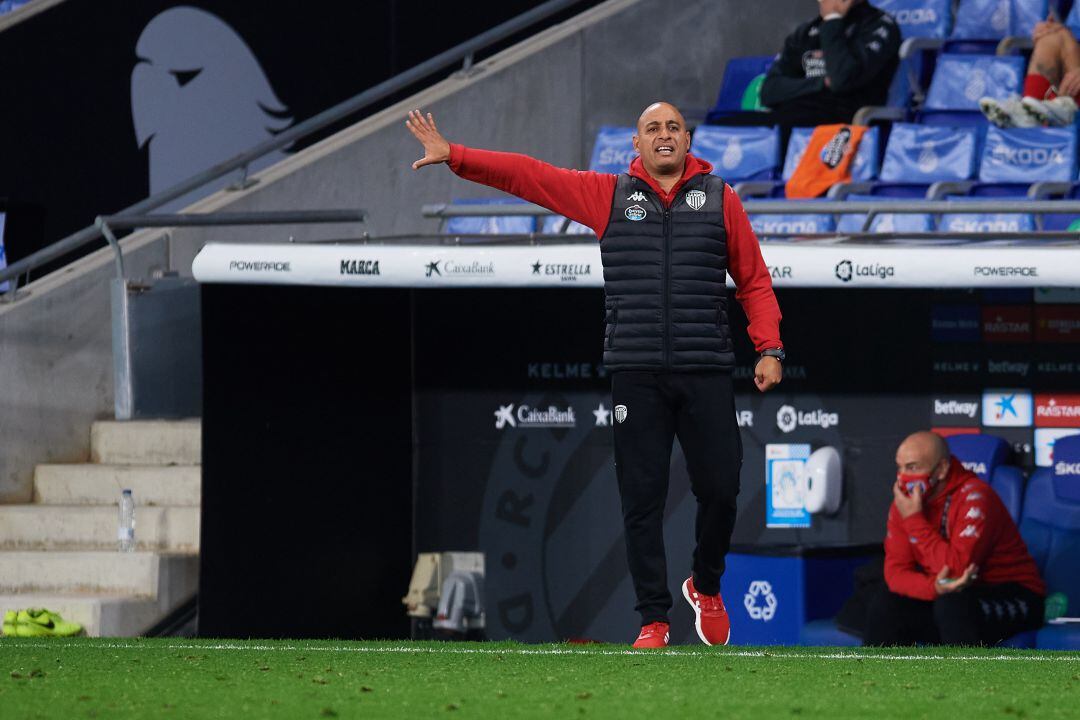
x=39, y=622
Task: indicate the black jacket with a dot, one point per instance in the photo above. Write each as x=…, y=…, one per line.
x=858, y=53
x=665, y=273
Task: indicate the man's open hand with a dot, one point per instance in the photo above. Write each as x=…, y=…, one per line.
x=954, y=584
x=768, y=373
x=436, y=149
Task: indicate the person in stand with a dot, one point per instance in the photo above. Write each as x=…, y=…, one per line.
x=1051, y=86
x=956, y=569
x=840, y=61
x=670, y=233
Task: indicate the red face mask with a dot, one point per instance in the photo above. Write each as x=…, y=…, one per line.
x=909, y=481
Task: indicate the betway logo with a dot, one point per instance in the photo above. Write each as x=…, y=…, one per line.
x=1064, y=468
x=1027, y=156
x=976, y=467
x=953, y=407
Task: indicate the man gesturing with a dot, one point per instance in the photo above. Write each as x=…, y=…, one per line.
x=670, y=232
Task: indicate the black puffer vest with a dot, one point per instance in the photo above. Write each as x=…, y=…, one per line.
x=665, y=273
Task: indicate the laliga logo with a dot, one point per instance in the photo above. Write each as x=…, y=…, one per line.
x=788, y=418
x=1064, y=468
x=760, y=589
x=846, y=270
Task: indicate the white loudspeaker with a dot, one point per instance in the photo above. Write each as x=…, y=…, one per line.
x=823, y=481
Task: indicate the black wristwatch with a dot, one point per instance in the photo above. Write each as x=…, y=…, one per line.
x=777, y=353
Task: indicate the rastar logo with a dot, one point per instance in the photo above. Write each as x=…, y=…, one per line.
x=745, y=418
x=1057, y=410
x=759, y=601
x=780, y=271
x=954, y=407
x=1065, y=468
x=1007, y=323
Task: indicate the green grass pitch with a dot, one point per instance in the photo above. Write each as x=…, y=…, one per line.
x=176, y=678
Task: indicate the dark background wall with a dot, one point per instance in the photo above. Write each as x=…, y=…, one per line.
x=67, y=137
x=348, y=443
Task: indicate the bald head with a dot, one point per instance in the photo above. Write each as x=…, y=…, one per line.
x=662, y=141
x=924, y=452
x=659, y=110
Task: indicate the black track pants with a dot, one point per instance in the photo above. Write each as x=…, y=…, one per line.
x=699, y=408
x=979, y=615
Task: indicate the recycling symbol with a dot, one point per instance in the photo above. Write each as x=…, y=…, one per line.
x=759, y=601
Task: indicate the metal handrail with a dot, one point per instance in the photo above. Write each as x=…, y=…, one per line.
x=806, y=207
x=461, y=53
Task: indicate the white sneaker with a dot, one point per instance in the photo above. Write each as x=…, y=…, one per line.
x=1007, y=113
x=1059, y=111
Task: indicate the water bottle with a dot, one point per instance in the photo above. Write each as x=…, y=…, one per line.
x=126, y=531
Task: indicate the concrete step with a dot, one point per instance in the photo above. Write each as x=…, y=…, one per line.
x=175, y=485
x=137, y=575
x=146, y=442
x=100, y=615
x=93, y=527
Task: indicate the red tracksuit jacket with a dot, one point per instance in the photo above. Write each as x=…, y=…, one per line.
x=585, y=197
x=979, y=529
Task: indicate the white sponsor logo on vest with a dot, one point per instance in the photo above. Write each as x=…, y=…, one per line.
x=635, y=213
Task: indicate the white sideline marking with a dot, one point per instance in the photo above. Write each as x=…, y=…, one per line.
x=408, y=649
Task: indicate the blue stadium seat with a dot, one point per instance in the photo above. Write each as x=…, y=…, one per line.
x=490, y=224
x=738, y=74
x=885, y=222
x=1050, y=525
x=917, y=156
x=981, y=23
x=1028, y=155
x=1062, y=221
x=864, y=167
x=960, y=80
x=739, y=153
x=986, y=222
x=792, y=223
x=985, y=455
x=919, y=18
x=613, y=150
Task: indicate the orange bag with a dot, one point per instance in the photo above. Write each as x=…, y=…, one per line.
x=827, y=160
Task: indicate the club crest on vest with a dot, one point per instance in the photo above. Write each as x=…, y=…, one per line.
x=635, y=212
x=620, y=413
x=695, y=199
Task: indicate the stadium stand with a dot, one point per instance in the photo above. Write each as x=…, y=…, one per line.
x=917, y=157
x=490, y=224
x=741, y=74
x=1050, y=525
x=960, y=80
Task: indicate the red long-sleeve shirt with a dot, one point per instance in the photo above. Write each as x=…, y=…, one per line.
x=586, y=197
x=980, y=531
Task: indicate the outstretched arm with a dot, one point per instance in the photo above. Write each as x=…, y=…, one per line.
x=584, y=197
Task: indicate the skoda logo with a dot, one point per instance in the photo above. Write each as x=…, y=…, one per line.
x=844, y=270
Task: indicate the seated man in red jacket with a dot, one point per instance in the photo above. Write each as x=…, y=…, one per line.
x=956, y=570
x=670, y=234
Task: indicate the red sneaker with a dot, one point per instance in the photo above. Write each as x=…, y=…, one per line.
x=711, y=619
x=653, y=635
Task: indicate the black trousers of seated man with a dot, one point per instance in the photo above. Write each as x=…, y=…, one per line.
x=977, y=615
x=699, y=409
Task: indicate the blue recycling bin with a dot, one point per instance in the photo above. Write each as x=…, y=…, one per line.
x=771, y=592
